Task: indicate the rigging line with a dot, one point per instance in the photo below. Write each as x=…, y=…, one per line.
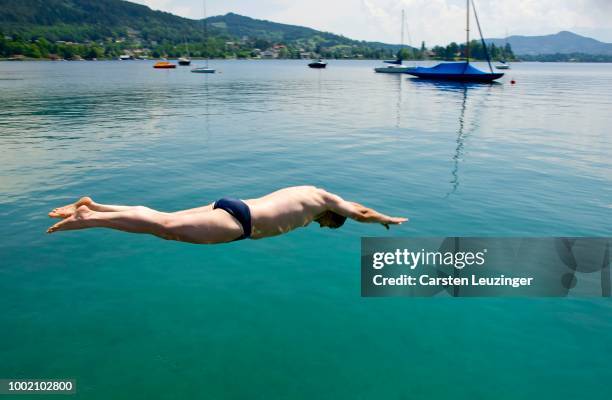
x=484, y=45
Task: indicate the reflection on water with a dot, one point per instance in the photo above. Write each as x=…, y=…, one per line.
x=461, y=135
x=460, y=90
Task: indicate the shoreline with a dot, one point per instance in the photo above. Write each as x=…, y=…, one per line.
x=288, y=59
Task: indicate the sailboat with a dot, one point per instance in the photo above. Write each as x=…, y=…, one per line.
x=205, y=69
x=502, y=63
x=463, y=70
x=396, y=66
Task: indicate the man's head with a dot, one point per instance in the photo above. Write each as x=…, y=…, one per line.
x=330, y=219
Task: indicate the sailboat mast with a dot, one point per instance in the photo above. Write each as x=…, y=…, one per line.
x=402, y=42
x=467, y=30
x=205, y=31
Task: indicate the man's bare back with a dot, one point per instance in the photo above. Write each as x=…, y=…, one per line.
x=225, y=220
x=286, y=209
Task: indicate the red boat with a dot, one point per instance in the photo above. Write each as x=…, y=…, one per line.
x=164, y=64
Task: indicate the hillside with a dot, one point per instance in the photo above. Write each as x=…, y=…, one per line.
x=106, y=28
x=561, y=43
x=239, y=26
x=81, y=20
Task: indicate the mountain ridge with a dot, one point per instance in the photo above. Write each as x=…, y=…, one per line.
x=563, y=42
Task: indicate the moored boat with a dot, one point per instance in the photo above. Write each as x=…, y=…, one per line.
x=455, y=71
x=502, y=65
x=184, y=61
x=460, y=71
x=318, y=64
x=394, y=69
x=164, y=65
x=396, y=66
x=203, y=70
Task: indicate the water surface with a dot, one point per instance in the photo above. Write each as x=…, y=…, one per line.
x=131, y=316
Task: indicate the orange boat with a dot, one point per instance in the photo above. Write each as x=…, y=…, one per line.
x=164, y=64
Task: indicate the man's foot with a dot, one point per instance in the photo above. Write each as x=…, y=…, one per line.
x=67, y=211
x=78, y=220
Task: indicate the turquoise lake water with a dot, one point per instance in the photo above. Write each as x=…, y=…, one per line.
x=131, y=316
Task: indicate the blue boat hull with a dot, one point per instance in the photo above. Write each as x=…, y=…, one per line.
x=455, y=71
x=457, y=77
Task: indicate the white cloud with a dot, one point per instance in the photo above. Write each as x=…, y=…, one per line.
x=434, y=21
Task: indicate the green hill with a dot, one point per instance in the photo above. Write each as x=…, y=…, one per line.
x=241, y=26
x=107, y=28
x=82, y=20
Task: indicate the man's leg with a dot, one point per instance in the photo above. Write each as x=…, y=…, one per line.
x=134, y=220
x=195, y=210
x=68, y=210
x=202, y=227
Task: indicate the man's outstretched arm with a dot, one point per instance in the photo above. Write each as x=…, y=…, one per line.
x=360, y=212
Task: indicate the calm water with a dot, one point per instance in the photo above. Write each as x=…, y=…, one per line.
x=131, y=316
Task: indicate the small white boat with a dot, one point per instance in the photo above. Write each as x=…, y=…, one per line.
x=203, y=70
x=394, y=69
x=502, y=65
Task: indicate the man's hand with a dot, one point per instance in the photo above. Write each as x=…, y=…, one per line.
x=389, y=220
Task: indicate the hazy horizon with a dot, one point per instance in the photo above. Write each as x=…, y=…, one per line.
x=379, y=20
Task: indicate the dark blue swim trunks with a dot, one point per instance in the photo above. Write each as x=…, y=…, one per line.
x=239, y=210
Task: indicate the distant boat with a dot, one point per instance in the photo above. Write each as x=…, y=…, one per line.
x=396, y=66
x=460, y=71
x=125, y=57
x=164, y=65
x=318, y=64
x=502, y=65
x=393, y=69
x=185, y=60
x=205, y=69
x=395, y=62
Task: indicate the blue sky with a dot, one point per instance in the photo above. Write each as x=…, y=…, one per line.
x=434, y=21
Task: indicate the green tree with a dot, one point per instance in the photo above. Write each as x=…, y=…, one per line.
x=94, y=52
x=403, y=54
x=451, y=51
